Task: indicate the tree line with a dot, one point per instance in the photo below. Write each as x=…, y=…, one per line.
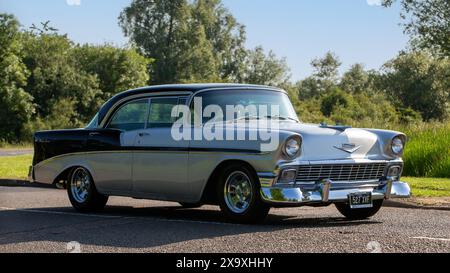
x=47, y=81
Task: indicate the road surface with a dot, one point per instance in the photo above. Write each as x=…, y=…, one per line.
x=42, y=220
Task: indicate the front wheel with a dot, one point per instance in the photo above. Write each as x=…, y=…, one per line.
x=359, y=214
x=239, y=197
x=83, y=195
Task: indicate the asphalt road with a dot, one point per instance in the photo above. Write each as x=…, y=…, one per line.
x=42, y=220
x=15, y=152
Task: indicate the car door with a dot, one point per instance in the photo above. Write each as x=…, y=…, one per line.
x=111, y=149
x=160, y=162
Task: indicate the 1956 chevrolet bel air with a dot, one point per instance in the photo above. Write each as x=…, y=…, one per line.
x=132, y=147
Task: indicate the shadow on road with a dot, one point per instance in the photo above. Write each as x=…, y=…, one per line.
x=128, y=227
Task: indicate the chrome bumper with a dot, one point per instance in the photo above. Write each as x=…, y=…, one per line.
x=31, y=174
x=324, y=193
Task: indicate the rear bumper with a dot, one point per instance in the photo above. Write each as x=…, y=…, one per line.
x=324, y=193
x=31, y=174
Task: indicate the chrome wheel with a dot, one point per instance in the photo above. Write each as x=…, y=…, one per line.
x=80, y=184
x=238, y=192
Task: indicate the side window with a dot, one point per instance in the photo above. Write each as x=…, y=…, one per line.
x=132, y=116
x=160, y=115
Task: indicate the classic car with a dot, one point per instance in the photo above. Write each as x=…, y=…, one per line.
x=129, y=149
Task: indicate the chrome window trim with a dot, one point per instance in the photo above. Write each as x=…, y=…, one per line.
x=193, y=95
x=150, y=105
x=113, y=108
x=125, y=104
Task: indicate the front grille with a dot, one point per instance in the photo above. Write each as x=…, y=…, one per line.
x=341, y=172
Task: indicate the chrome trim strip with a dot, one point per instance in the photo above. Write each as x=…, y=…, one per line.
x=298, y=196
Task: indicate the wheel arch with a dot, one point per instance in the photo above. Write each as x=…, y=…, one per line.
x=209, y=194
x=63, y=176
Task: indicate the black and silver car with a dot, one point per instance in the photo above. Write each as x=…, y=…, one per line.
x=129, y=149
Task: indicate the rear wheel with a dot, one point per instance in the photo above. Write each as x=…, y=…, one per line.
x=83, y=195
x=359, y=214
x=239, y=197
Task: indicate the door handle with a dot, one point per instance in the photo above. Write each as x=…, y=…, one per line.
x=143, y=134
x=94, y=134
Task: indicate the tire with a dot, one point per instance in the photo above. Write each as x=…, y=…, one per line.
x=190, y=205
x=238, y=193
x=84, y=197
x=359, y=214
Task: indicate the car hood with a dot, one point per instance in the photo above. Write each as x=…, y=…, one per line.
x=324, y=143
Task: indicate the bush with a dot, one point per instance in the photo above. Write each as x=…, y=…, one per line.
x=427, y=152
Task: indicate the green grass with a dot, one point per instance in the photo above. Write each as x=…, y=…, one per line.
x=427, y=152
x=15, y=167
x=429, y=187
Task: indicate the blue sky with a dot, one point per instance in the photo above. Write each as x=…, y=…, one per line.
x=300, y=30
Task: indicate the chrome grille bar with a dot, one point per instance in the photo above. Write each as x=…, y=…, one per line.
x=341, y=172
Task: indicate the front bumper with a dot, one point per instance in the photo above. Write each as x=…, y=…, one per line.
x=324, y=193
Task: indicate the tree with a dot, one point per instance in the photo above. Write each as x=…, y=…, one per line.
x=355, y=80
x=226, y=35
x=419, y=81
x=325, y=77
x=16, y=105
x=181, y=34
x=116, y=69
x=260, y=68
x=427, y=22
x=197, y=41
x=54, y=76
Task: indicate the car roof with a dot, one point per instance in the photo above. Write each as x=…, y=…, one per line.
x=193, y=88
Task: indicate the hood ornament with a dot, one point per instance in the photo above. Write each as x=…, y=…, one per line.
x=337, y=127
x=348, y=148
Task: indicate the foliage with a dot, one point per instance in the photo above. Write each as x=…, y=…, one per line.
x=419, y=81
x=16, y=105
x=196, y=41
x=427, y=151
x=323, y=79
x=356, y=80
x=54, y=76
x=47, y=82
x=116, y=69
x=264, y=69
x=427, y=22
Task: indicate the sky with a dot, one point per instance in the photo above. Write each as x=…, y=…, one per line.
x=358, y=31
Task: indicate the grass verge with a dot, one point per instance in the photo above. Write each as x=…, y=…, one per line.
x=429, y=187
x=15, y=167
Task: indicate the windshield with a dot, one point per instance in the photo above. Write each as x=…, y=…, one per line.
x=260, y=104
x=93, y=123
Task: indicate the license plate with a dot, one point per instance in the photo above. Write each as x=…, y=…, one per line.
x=360, y=200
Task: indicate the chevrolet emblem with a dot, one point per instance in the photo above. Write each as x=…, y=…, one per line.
x=348, y=148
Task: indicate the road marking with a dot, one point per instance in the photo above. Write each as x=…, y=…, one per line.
x=116, y=216
x=433, y=239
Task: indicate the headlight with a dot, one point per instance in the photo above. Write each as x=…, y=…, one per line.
x=292, y=147
x=397, y=146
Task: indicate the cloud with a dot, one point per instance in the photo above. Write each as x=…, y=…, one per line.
x=73, y=2
x=369, y=2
